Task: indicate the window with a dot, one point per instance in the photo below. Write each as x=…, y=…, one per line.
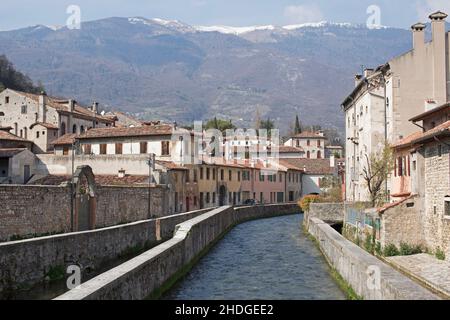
x=221, y=174
x=318, y=143
x=308, y=143
x=201, y=173
x=6, y=99
x=65, y=150
x=319, y=155
x=239, y=176
x=74, y=128
x=230, y=177
x=143, y=147
x=103, y=148
x=63, y=128
x=195, y=201
x=87, y=149
x=23, y=109
x=118, y=148
x=400, y=166
x=447, y=206
x=214, y=174
x=281, y=177
x=439, y=150
x=308, y=154
x=37, y=134
x=81, y=129
x=207, y=173
x=214, y=198
x=188, y=173
x=195, y=175
x=165, y=148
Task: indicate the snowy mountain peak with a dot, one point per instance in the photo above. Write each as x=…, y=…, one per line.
x=233, y=30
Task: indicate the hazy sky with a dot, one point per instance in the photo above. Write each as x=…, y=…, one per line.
x=397, y=13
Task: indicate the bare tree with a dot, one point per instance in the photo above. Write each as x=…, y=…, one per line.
x=376, y=172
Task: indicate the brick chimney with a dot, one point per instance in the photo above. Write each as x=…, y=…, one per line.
x=439, y=56
x=71, y=105
x=368, y=72
x=95, y=107
x=418, y=31
x=42, y=117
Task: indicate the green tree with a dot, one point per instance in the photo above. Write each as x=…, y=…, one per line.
x=219, y=124
x=267, y=125
x=297, y=128
x=13, y=79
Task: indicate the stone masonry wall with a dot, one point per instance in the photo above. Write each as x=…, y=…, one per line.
x=356, y=267
x=437, y=174
x=26, y=211
x=27, y=262
x=139, y=277
x=329, y=212
x=402, y=223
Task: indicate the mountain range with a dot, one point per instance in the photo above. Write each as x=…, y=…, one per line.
x=169, y=70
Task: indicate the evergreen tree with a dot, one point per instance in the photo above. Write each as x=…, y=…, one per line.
x=297, y=128
x=13, y=79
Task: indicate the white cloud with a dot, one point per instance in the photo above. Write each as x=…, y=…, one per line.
x=426, y=7
x=303, y=13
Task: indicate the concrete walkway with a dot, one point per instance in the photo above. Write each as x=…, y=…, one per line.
x=426, y=269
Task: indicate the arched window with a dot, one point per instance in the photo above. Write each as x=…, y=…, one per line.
x=81, y=129
x=63, y=128
x=308, y=154
x=319, y=155
x=74, y=128
x=25, y=132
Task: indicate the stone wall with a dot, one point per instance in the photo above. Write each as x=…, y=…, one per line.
x=28, y=211
x=328, y=212
x=357, y=267
x=402, y=223
x=27, y=262
x=437, y=187
x=141, y=276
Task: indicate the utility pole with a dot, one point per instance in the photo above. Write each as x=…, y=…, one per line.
x=151, y=166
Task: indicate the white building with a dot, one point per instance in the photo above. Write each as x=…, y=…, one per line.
x=312, y=143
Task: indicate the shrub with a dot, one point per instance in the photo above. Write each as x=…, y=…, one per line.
x=407, y=250
x=305, y=202
x=378, y=249
x=368, y=243
x=439, y=254
x=390, y=250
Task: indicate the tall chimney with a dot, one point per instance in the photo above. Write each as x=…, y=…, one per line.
x=358, y=79
x=439, y=56
x=42, y=106
x=418, y=31
x=95, y=107
x=368, y=72
x=71, y=105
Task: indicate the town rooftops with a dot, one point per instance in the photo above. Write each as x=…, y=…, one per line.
x=428, y=113
x=105, y=180
x=10, y=152
x=66, y=139
x=288, y=149
x=309, y=134
x=62, y=105
x=419, y=137
x=289, y=166
x=114, y=132
x=45, y=125
x=311, y=166
x=4, y=135
x=170, y=165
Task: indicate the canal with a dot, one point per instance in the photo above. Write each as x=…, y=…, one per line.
x=261, y=259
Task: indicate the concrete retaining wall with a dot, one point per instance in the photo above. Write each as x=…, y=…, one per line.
x=356, y=266
x=139, y=277
x=27, y=262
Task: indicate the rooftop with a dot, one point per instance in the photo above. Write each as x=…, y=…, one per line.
x=68, y=138
x=4, y=135
x=309, y=134
x=311, y=166
x=419, y=137
x=10, y=152
x=430, y=112
x=106, y=180
x=114, y=132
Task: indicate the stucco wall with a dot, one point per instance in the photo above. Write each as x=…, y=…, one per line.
x=356, y=266
x=329, y=212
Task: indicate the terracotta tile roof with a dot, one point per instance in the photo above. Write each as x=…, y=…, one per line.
x=334, y=147
x=45, y=125
x=309, y=134
x=419, y=137
x=312, y=166
x=224, y=163
x=289, y=165
x=62, y=105
x=393, y=204
x=10, y=152
x=114, y=132
x=9, y=136
x=170, y=165
x=105, y=180
x=288, y=149
x=68, y=138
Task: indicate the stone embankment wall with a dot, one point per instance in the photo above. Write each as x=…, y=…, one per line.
x=27, y=262
x=141, y=276
x=362, y=270
x=27, y=211
x=328, y=212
